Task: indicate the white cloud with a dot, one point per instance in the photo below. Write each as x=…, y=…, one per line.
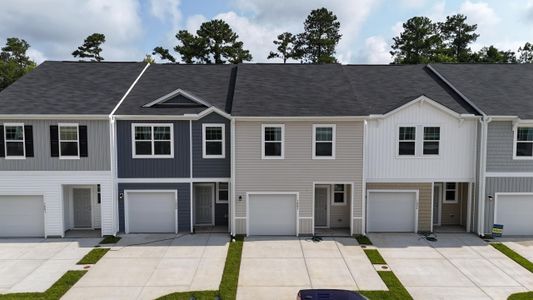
x=36, y=55
x=479, y=13
x=413, y=3
x=194, y=22
x=376, y=51
x=55, y=27
x=166, y=10
x=397, y=28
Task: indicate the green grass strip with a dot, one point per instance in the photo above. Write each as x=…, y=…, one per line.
x=396, y=289
x=374, y=257
x=230, y=278
x=110, y=239
x=363, y=240
x=56, y=291
x=93, y=256
x=519, y=259
x=521, y=296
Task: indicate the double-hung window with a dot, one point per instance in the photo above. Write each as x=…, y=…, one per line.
x=323, y=141
x=152, y=140
x=431, y=140
x=222, y=192
x=524, y=143
x=213, y=141
x=14, y=141
x=69, y=141
x=339, y=194
x=450, y=193
x=407, y=141
x=273, y=136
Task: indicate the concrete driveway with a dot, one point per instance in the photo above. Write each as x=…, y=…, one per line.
x=147, y=266
x=457, y=266
x=33, y=265
x=521, y=245
x=278, y=267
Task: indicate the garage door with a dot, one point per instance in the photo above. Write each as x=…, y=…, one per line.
x=272, y=215
x=151, y=212
x=391, y=211
x=515, y=213
x=21, y=216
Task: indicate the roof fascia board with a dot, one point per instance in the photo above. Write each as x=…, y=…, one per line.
x=301, y=118
x=129, y=90
x=424, y=99
x=193, y=117
x=176, y=93
x=449, y=84
x=215, y=110
x=54, y=117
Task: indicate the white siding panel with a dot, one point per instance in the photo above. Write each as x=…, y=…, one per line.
x=50, y=186
x=457, y=158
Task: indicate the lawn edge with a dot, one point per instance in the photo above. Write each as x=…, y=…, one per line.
x=93, y=256
x=519, y=259
x=56, y=291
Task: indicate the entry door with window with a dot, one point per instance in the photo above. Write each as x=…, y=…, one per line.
x=204, y=198
x=81, y=205
x=321, y=206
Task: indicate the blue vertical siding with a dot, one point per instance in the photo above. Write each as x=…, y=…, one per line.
x=213, y=167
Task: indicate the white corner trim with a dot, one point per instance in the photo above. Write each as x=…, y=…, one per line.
x=333, y=141
x=282, y=126
x=204, y=141
x=129, y=90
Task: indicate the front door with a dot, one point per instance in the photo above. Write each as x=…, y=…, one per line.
x=204, y=196
x=81, y=204
x=437, y=194
x=321, y=206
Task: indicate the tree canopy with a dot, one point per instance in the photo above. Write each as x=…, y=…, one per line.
x=14, y=62
x=418, y=43
x=526, y=53
x=288, y=47
x=91, y=47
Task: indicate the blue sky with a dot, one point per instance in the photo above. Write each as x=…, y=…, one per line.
x=55, y=28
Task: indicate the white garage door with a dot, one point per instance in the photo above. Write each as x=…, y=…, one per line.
x=391, y=211
x=21, y=216
x=272, y=215
x=151, y=212
x=515, y=213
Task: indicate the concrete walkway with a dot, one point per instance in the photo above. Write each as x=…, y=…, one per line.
x=457, y=266
x=278, y=267
x=521, y=245
x=33, y=265
x=145, y=266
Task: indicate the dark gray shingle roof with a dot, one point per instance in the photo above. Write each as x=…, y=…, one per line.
x=211, y=83
x=497, y=89
x=382, y=88
x=84, y=88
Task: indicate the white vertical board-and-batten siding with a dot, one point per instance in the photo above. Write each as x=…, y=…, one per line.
x=457, y=158
x=49, y=184
x=297, y=171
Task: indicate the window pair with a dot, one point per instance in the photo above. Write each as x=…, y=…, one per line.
x=407, y=141
x=273, y=139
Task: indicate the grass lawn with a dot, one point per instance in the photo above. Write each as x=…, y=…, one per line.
x=519, y=259
x=396, y=289
x=374, y=257
x=521, y=296
x=56, y=291
x=363, y=240
x=93, y=256
x=228, y=285
x=110, y=239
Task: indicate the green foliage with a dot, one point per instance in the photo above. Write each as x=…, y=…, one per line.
x=320, y=37
x=288, y=47
x=110, y=239
x=14, y=62
x=163, y=53
x=519, y=259
x=492, y=54
x=521, y=296
x=363, y=240
x=396, y=290
x=374, y=257
x=457, y=35
x=93, y=256
x=91, y=47
x=526, y=53
x=419, y=42
x=56, y=291
x=149, y=59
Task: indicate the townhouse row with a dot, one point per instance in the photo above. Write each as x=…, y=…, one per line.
x=266, y=149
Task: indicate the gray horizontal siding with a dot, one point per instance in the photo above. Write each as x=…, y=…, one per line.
x=212, y=167
x=98, y=149
x=184, y=201
x=500, y=140
x=503, y=185
x=177, y=167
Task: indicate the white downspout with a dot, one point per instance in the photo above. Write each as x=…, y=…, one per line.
x=482, y=174
x=232, y=187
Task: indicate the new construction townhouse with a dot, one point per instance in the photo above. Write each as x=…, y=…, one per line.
x=266, y=149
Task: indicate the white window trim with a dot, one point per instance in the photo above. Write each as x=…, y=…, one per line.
x=59, y=125
x=204, y=141
x=333, y=192
x=398, y=141
x=456, y=200
x=218, y=201
x=282, y=126
x=515, y=142
x=424, y=140
x=333, y=140
x=152, y=125
x=17, y=141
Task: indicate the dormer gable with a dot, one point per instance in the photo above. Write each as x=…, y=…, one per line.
x=178, y=98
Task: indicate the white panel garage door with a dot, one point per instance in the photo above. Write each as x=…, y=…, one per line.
x=272, y=215
x=21, y=216
x=515, y=212
x=391, y=211
x=151, y=212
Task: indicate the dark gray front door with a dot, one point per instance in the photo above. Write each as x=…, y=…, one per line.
x=203, y=203
x=81, y=198
x=321, y=206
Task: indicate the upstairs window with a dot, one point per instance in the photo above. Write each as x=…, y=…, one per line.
x=273, y=139
x=524, y=143
x=14, y=141
x=153, y=141
x=213, y=141
x=69, y=141
x=431, y=140
x=407, y=141
x=323, y=141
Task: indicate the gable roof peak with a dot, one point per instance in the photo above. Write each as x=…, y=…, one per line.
x=178, y=97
